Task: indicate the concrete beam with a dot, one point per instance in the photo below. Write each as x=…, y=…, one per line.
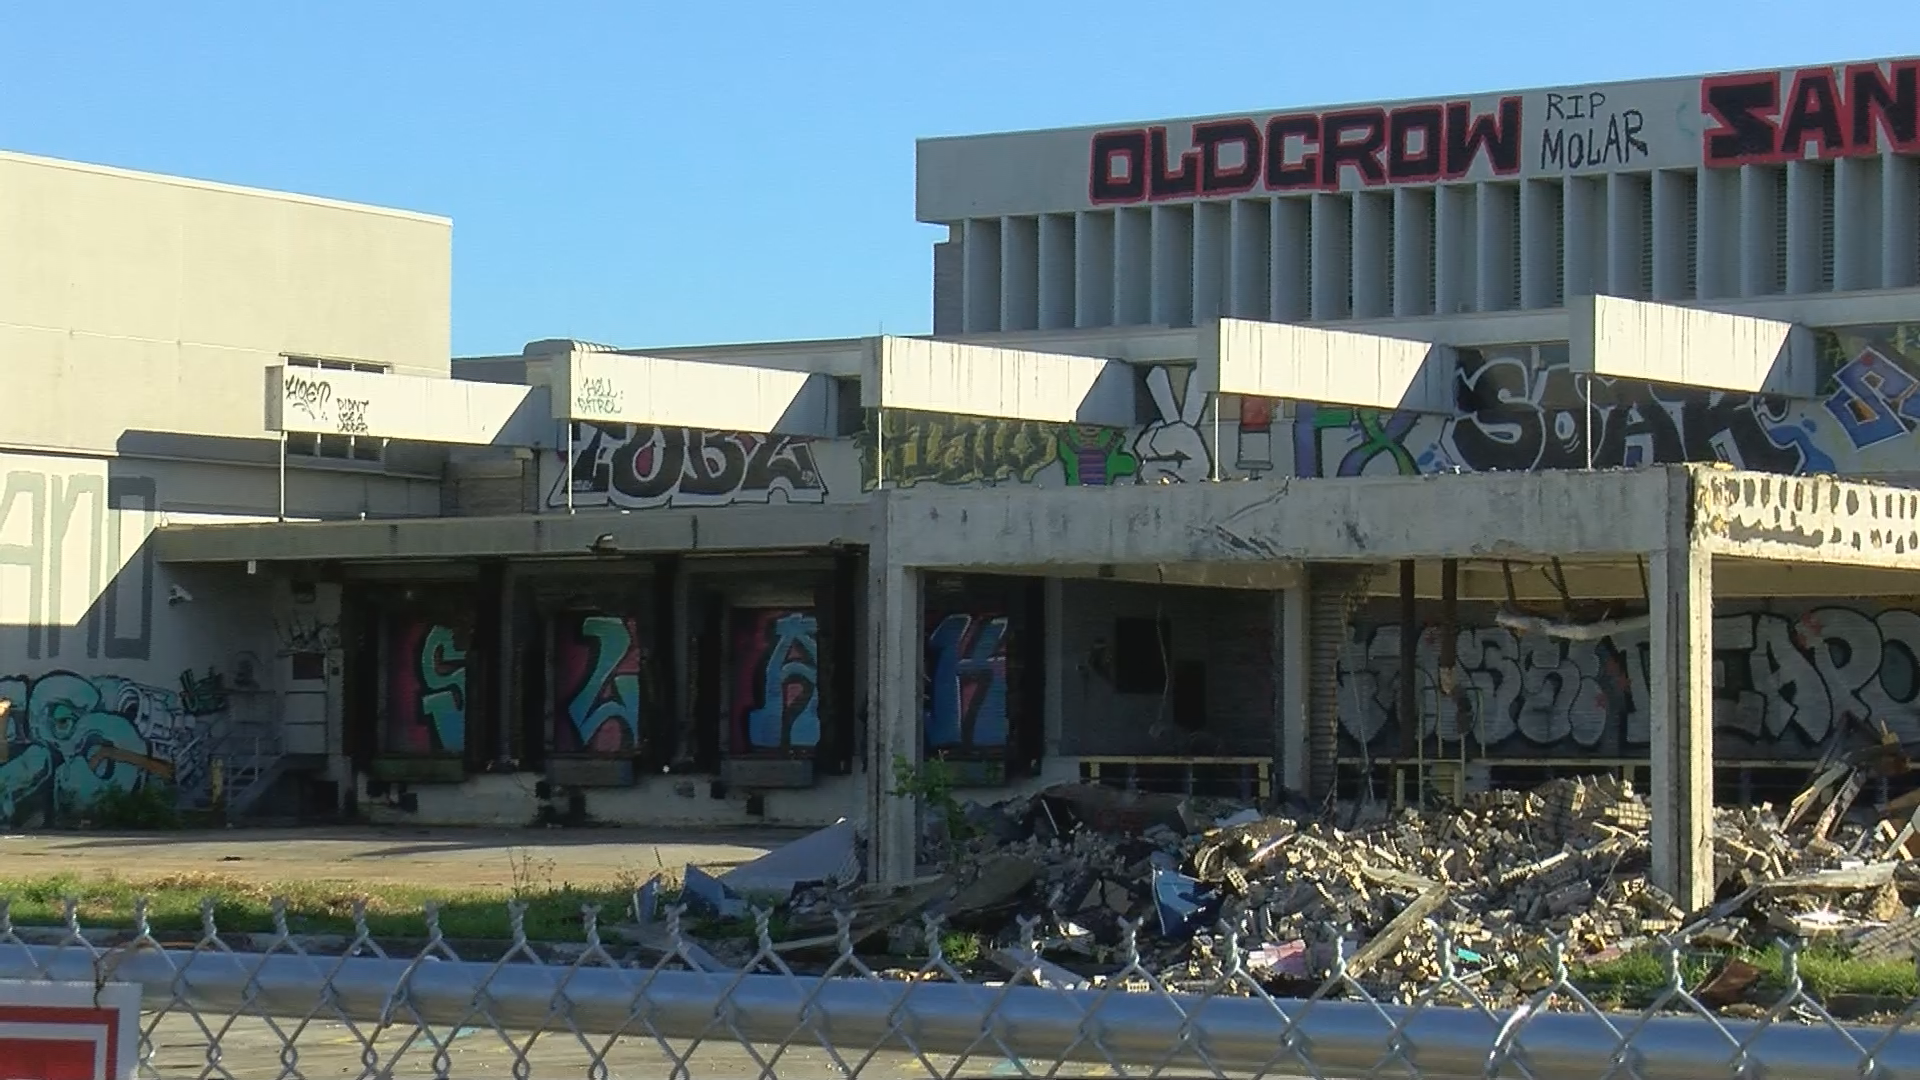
x=1614, y=337
x=1305, y=363
x=732, y=528
x=982, y=380
x=616, y=388
x=405, y=408
x=1808, y=519
x=1733, y=579
x=1358, y=519
x=1258, y=577
x=895, y=729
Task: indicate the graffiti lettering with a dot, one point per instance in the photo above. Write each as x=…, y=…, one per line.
x=427, y=689
x=51, y=515
x=641, y=467
x=1514, y=419
x=353, y=416
x=923, y=448
x=1782, y=683
x=597, y=397
x=202, y=695
x=967, y=693
x=1377, y=440
x=1873, y=399
x=70, y=738
x=1305, y=151
x=308, y=635
x=308, y=394
x=598, y=660
x=776, y=686
x=1862, y=112
x=1579, y=134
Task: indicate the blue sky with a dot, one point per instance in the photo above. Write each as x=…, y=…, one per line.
x=652, y=174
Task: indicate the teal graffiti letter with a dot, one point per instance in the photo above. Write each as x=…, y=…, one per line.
x=612, y=642
x=443, y=672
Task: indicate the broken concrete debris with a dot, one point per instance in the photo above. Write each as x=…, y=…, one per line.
x=1082, y=874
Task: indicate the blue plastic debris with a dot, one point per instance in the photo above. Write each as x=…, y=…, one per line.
x=1184, y=904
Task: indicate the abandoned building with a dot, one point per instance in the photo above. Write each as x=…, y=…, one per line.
x=1430, y=444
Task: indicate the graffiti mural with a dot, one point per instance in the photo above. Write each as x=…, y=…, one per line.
x=1872, y=383
x=71, y=738
x=598, y=664
x=1783, y=682
x=926, y=448
x=1523, y=408
x=637, y=467
x=776, y=680
x=966, y=705
x=427, y=687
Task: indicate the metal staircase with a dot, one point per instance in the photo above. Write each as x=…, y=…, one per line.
x=244, y=756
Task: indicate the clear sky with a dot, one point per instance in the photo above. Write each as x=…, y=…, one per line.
x=640, y=173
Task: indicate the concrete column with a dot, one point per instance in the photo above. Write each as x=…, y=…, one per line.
x=1057, y=278
x=1582, y=221
x=1296, y=747
x=1211, y=254
x=1291, y=246
x=1132, y=266
x=1493, y=245
x=1250, y=262
x=980, y=256
x=1331, y=266
x=1806, y=192
x=1093, y=268
x=1372, y=255
x=1172, y=242
x=1680, y=689
x=1673, y=225
x=1626, y=194
x=1019, y=273
x=1453, y=261
x=1053, y=708
x=1856, y=224
x=1899, y=227
x=1412, y=252
x=893, y=709
x=1540, y=251
x=1717, y=211
x=1759, y=230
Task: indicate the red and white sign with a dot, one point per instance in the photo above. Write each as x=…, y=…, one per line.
x=68, y=1031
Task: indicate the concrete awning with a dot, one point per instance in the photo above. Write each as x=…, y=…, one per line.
x=1613, y=337
x=722, y=529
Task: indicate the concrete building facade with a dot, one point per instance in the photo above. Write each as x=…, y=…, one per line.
x=1439, y=443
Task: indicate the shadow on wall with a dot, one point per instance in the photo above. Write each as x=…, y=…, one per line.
x=97, y=709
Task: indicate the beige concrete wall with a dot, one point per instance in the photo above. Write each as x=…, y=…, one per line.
x=133, y=302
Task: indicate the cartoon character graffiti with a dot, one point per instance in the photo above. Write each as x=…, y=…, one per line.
x=71, y=738
x=1171, y=450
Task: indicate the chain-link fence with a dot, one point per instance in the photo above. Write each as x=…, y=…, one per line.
x=293, y=1006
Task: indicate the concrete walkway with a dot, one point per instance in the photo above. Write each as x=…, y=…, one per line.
x=444, y=858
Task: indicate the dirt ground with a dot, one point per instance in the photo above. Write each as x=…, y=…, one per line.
x=452, y=859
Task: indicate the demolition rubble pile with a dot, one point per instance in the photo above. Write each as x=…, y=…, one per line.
x=1502, y=876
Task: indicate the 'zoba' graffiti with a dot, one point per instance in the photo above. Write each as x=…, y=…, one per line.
x=427, y=688
x=640, y=467
x=776, y=681
x=1782, y=683
x=597, y=666
x=70, y=738
x=967, y=683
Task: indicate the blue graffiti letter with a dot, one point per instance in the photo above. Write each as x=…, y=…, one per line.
x=788, y=719
x=957, y=717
